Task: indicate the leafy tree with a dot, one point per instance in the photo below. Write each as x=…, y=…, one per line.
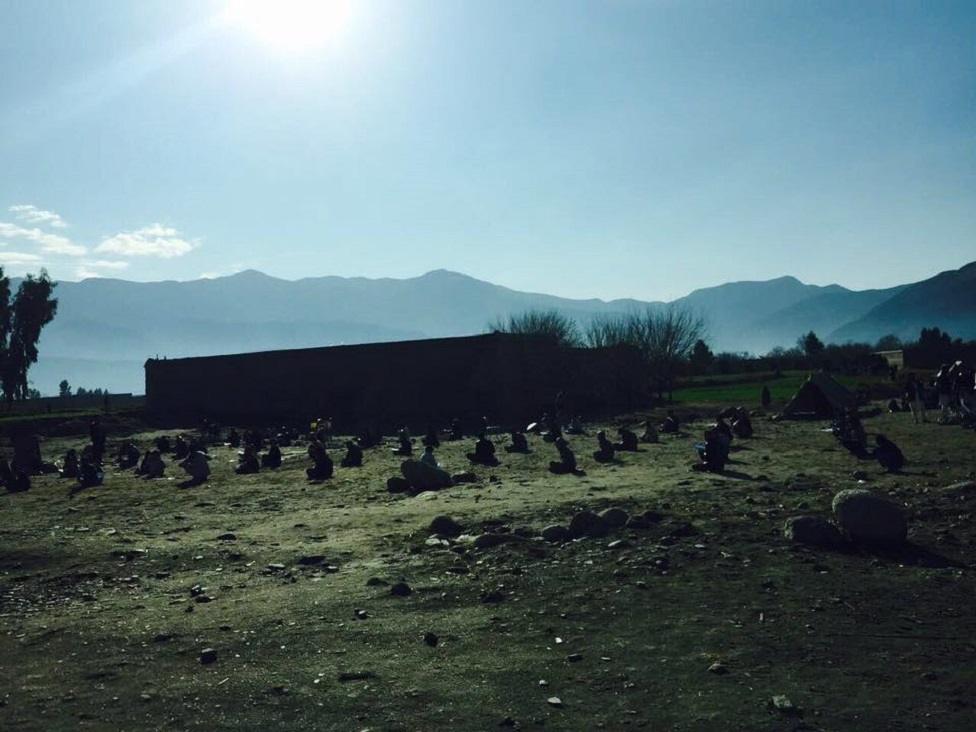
x=810, y=344
x=701, y=356
x=64, y=388
x=544, y=323
x=889, y=342
x=20, y=328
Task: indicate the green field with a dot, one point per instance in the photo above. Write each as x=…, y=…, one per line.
x=100, y=630
x=744, y=389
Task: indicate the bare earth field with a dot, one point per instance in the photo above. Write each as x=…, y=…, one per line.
x=99, y=628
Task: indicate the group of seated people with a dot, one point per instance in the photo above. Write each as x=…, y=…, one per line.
x=606, y=450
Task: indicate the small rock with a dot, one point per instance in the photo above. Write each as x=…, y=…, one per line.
x=486, y=541
x=574, y=657
x=619, y=544
x=493, y=596
x=465, y=477
x=227, y=537
x=376, y=582
x=208, y=656
x=813, y=531
x=431, y=639
x=554, y=701
x=275, y=567
x=400, y=589
x=614, y=518
x=587, y=523
x=309, y=560
x=555, y=533
x=783, y=705
x=360, y=614
x=356, y=675
x=718, y=668
x=445, y=526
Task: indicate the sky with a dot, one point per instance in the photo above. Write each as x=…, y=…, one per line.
x=608, y=149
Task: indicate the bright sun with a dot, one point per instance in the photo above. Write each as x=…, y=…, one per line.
x=289, y=25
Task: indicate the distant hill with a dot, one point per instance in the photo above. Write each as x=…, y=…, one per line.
x=106, y=328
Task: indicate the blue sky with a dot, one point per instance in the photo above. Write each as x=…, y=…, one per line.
x=586, y=149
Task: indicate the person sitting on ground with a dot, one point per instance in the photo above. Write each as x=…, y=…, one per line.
x=181, y=449
x=567, y=459
x=484, y=452
x=888, y=455
x=519, y=443
x=163, y=444
x=576, y=426
x=354, y=455
x=713, y=452
x=628, y=440
x=431, y=439
x=850, y=432
x=605, y=453
x=89, y=474
x=69, y=469
x=197, y=466
x=368, y=439
x=152, y=465
x=97, y=434
x=670, y=424
x=428, y=458
x=248, y=461
x=128, y=455
x=456, y=432
x=234, y=438
x=19, y=483
x=322, y=466
x=650, y=432
x=272, y=459
x=406, y=444
x=894, y=406
x=741, y=424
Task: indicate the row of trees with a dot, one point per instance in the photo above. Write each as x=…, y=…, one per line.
x=21, y=321
x=64, y=390
x=665, y=337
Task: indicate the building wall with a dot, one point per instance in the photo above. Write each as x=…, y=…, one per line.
x=506, y=377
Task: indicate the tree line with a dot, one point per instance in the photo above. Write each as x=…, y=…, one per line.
x=21, y=320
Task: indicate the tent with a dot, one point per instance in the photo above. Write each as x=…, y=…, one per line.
x=819, y=397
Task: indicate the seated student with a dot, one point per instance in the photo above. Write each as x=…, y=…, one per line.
x=484, y=452
x=272, y=459
x=128, y=456
x=152, y=465
x=69, y=468
x=741, y=424
x=284, y=437
x=431, y=439
x=89, y=474
x=713, y=452
x=163, y=444
x=456, y=432
x=567, y=459
x=723, y=427
x=888, y=455
x=519, y=443
x=197, y=466
x=354, y=455
x=607, y=449
x=19, y=483
x=628, y=440
x=650, y=433
x=234, y=438
x=576, y=426
x=670, y=424
x=248, y=461
x=850, y=432
x=406, y=444
x=322, y=466
x=893, y=406
x=181, y=448
x=367, y=439
x=428, y=458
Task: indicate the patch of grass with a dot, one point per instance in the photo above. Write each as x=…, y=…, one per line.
x=101, y=631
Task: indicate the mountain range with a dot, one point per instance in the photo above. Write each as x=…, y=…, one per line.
x=106, y=328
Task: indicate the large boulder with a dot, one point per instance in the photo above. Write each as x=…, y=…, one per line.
x=587, y=523
x=614, y=517
x=424, y=477
x=555, y=533
x=814, y=531
x=869, y=518
x=445, y=526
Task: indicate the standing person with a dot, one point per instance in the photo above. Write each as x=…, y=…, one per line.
x=765, y=398
x=915, y=395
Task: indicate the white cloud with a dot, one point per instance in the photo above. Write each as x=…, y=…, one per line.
x=16, y=258
x=154, y=240
x=34, y=215
x=108, y=264
x=50, y=243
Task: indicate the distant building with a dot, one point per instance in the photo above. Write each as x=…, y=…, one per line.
x=509, y=378
x=893, y=358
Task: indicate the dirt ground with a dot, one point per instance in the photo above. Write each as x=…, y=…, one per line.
x=695, y=622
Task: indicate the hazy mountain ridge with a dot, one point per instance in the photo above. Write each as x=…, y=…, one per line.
x=104, y=326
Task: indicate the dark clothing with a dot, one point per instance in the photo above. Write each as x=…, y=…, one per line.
x=353, y=457
x=628, y=441
x=272, y=459
x=519, y=443
x=484, y=452
x=606, y=452
x=888, y=455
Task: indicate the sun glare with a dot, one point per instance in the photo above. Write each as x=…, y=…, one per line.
x=291, y=26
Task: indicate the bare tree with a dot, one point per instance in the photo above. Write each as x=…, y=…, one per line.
x=544, y=323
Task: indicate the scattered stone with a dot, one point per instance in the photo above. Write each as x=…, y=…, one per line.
x=587, y=523
x=203, y=598
x=870, y=519
x=360, y=614
x=208, y=656
x=574, y=657
x=814, y=531
x=465, y=477
x=310, y=560
x=555, y=533
x=197, y=590
x=431, y=639
x=614, y=518
x=401, y=589
x=554, y=701
x=486, y=541
x=227, y=537
x=619, y=544
x=376, y=582
x=718, y=668
x=492, y=597
x=783, y=705
x=445, y=526
x=275, y=567
x=356, y=675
